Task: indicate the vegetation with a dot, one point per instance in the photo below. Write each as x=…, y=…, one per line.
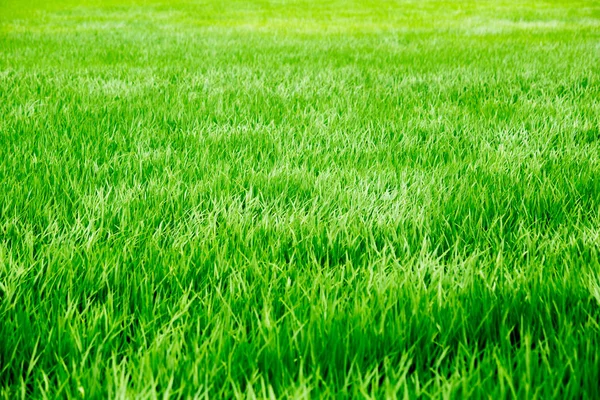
x=299, y=199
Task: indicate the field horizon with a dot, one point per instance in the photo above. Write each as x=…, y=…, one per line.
x=292, y=199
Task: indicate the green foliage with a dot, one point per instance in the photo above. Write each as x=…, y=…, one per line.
x=267, y=199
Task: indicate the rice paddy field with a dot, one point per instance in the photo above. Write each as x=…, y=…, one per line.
x=299, y=199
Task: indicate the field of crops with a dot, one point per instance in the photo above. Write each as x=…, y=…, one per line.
x=299, y=199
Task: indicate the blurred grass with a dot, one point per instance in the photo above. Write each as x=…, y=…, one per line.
x=355, y=16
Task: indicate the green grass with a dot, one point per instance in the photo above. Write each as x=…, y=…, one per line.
x=383, y=199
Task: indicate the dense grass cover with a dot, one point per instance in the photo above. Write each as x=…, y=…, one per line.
x=299, y=199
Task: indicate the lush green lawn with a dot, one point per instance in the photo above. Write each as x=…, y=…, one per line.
x=304, y=199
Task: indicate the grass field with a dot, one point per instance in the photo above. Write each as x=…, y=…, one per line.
x=271, y=199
